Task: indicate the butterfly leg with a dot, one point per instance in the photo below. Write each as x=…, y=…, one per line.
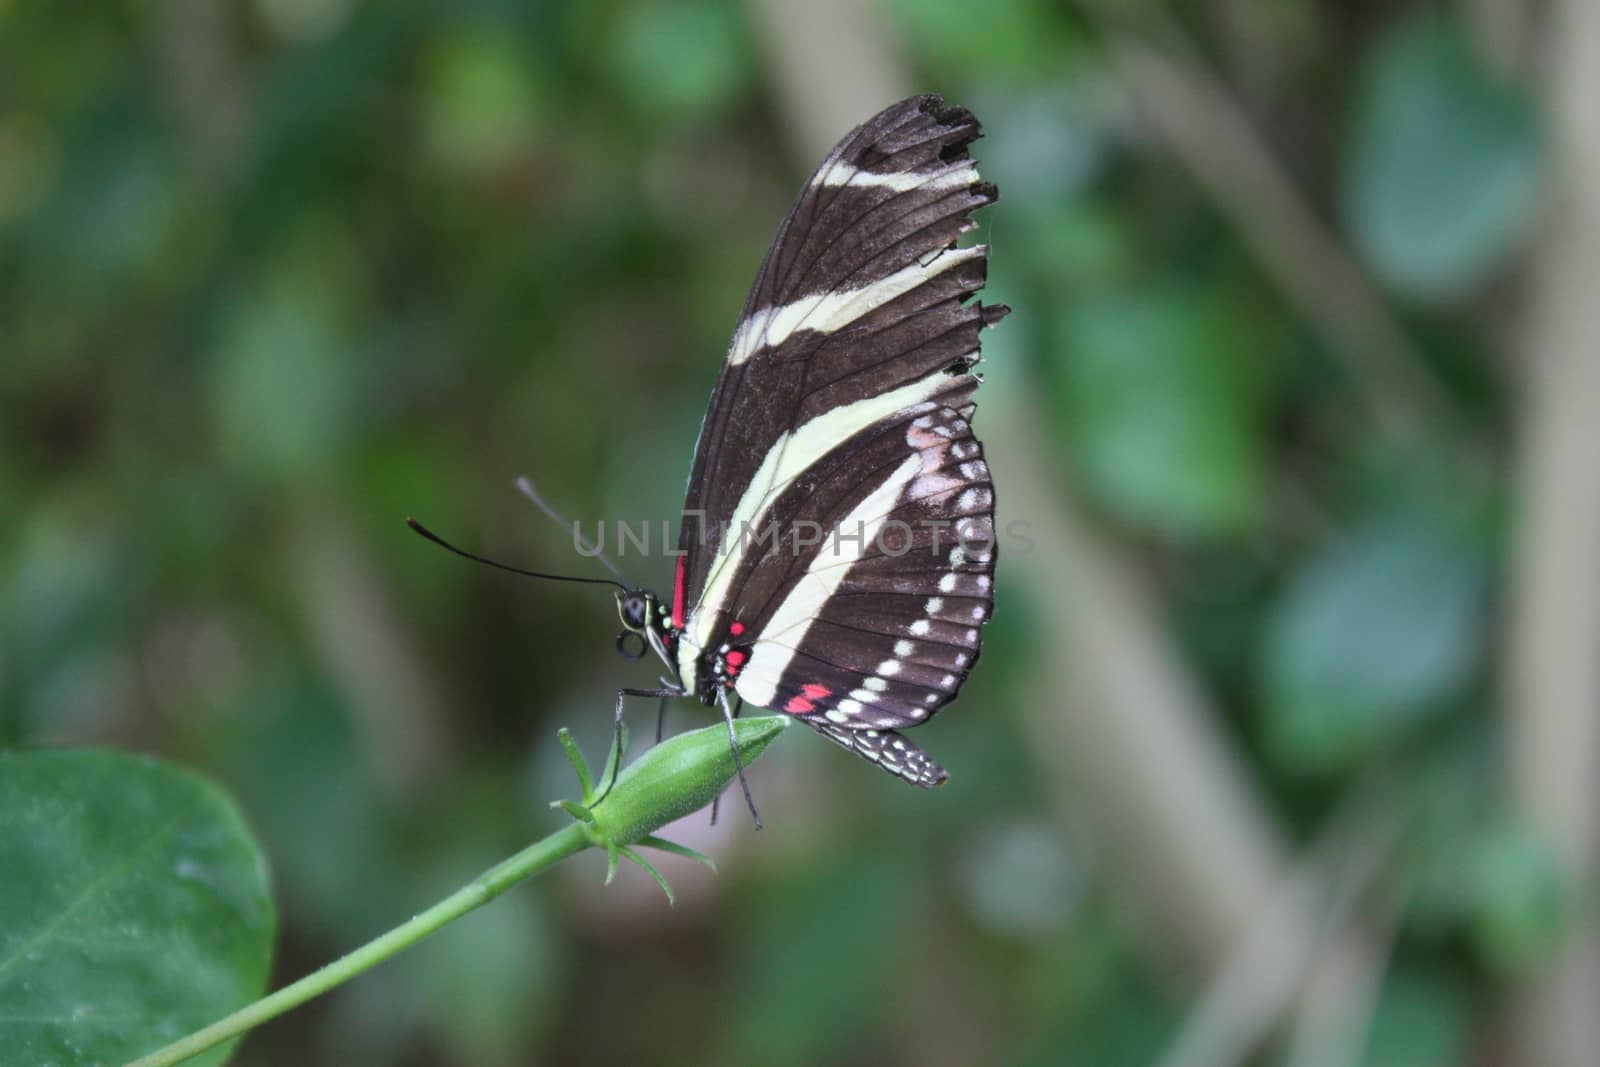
x=609, y=774
x=716, y=802
x=892, y=751
x=728, y=715
x=661, y=718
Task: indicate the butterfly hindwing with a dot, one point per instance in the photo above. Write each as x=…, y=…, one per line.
x=894, y=752
x=877, y=627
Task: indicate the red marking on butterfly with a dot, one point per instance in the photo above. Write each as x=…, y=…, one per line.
x=815, y=691
x=736, y=629
x=799, y=706
x=677, y=596
x=734, y=658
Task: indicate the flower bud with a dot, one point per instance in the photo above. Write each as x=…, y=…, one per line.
x=678, y=776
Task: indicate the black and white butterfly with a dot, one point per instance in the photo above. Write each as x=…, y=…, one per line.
x=838, y=560
x=838, y=552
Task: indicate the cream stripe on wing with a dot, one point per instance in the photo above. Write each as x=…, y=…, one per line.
x=953, y=177
x=788, y=458
x=834, y=310
x=758, y=681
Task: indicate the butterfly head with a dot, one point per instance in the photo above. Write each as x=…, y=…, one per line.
x=642, y=622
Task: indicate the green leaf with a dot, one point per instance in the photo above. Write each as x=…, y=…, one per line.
x=134, y=907
x=1377, y=633
x=1444, y=170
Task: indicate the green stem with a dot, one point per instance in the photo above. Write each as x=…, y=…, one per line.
x=475, y=894
x=671, y=780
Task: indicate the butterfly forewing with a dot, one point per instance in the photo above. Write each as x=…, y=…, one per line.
x=838, y=559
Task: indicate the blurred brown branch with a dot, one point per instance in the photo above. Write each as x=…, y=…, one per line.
x=1504, y=31
x=1346, y=976
x=832, y=65
x=1305, y=950
x=1554, y=642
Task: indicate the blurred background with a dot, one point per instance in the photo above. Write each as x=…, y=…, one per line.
x=1283, y=747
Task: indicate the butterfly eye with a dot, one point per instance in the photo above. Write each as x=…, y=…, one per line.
x=634, y=610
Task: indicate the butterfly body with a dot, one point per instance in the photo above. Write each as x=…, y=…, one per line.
x=837, y=554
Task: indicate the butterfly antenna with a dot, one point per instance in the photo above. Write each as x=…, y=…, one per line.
x=442, y=543
x=526, y=488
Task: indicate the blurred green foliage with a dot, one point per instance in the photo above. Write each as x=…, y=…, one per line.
x=274, y=274
x=1443, y=174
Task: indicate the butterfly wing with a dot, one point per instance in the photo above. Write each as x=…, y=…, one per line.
x=844, y=406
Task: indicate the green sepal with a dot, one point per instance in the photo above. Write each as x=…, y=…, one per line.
x=652, y=872
x=579, y=764
x=577, y=811
x=661, y=844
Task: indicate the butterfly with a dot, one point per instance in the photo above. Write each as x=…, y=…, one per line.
x=837, y=559
x=837, y=555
